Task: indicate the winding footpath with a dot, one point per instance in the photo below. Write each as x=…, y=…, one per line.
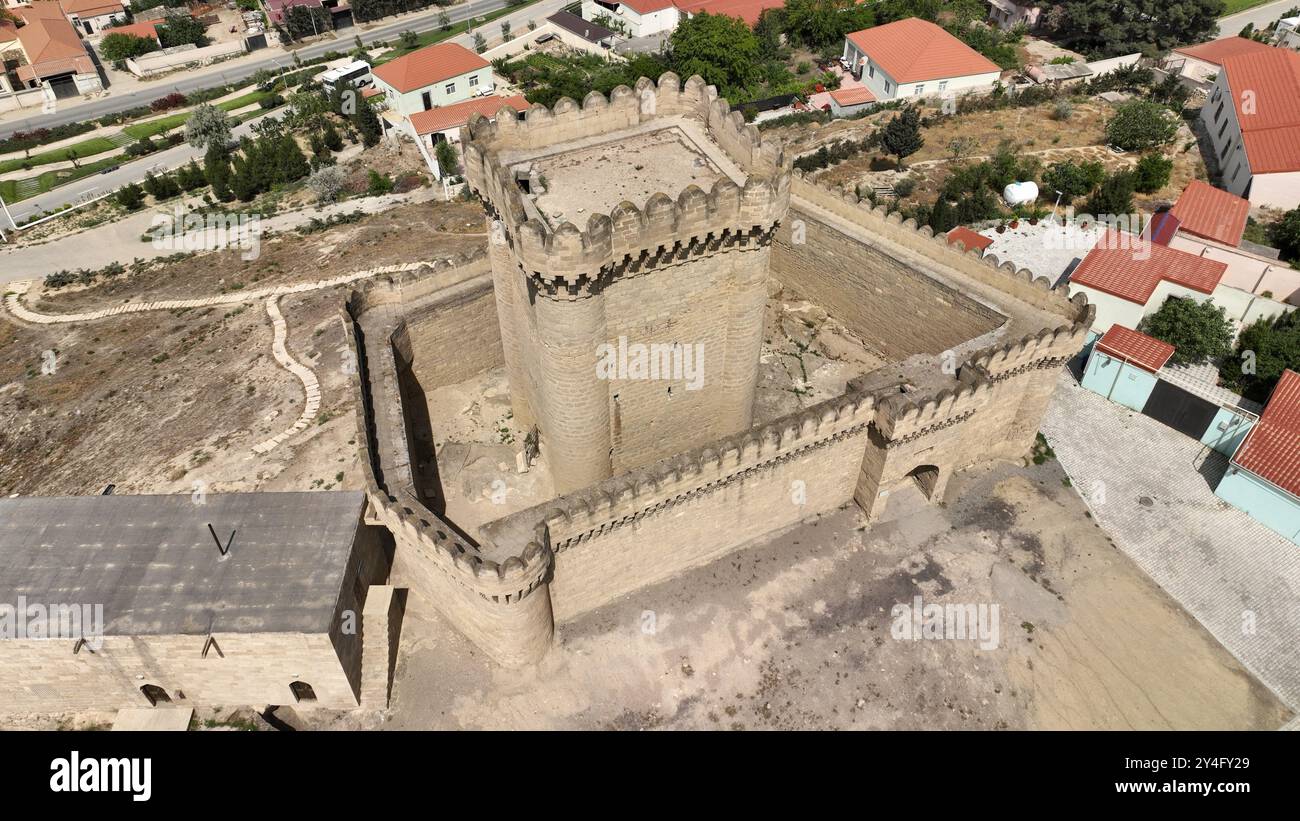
x=279, y=347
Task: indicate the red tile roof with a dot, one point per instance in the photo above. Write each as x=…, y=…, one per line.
x=147, y=30
x=8, y=31
x=914, y=50
x=647, y=6
x=1272, y=448
x=49, y=37
x=853, y=95
x=1216, y=51
x=428, y=66
x=91, y=8
x=1146, y=352
x=1211, y=213
x=1265, y=89
x=747, y=10
x=1130, y=268
x=454, y=116
x=968, y=238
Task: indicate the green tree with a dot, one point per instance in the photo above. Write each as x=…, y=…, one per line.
x=190, y=177
x=1152, y=173
x=216, y=170
x=118, y=47
x=1101, y=28
x=379, y=183
x=1197, y=330
x=1285, y=235
x=291, y=164
x=1073, y=180
x=130, y=196
x=206, y=125
x=1114, y=196
x=444, y=22
x=480, y=43
x=445, y=153
x=331, y=138
x=410, y=39
x=1139, y=125
x=161, y=187
x=367, y=124
x=943, y=217
x=179, y=31
x=818, y=24
x=1269, y=347
x=902, y=135
x=244, y=183
x=720, y=49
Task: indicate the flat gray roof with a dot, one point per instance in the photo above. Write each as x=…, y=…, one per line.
x=155, y=568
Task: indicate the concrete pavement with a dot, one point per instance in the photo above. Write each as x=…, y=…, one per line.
x=272, y=58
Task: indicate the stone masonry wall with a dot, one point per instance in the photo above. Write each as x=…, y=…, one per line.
x=895, y=309
x=456, y=336
x=256, y=669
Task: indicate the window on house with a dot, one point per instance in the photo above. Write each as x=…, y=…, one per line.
x=427, y=99
x=1218, y=112
x=887, y=87
x=1226, y=148
x=450, y=88
x=473, y=80
x=1236, y=171
x=1223, y=128
x=920, y=89
x=943, y=84
x=871, y=69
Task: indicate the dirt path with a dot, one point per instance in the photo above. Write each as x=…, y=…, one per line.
x=305, y=375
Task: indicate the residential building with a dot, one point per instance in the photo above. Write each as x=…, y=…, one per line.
x=54, y=54
x=438, y=75
x=1201, y=63
x=1210, y=223
x=1006, y=15
x=1287, y=34
x=1128, y=277
x=1252, y=117
x=93, y=16
x=583, y=34
x=1263, y=476
x=147, y=29
x=915, y=58
x=444, y=123
x=244, y=598
x=633, y=18
x=1123, y=366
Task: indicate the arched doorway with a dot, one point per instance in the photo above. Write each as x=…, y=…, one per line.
x=926, y=477
x=302, y=691
x=155, y=694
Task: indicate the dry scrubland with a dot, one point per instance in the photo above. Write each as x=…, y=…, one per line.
x=154, y=402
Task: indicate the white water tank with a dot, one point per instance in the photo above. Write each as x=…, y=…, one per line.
x=1018, y=193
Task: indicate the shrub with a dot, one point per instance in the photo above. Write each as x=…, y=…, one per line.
x=1197, y=330
x=379, y=183
x=1152, y=173
x=1139, y=125
x=130, y=197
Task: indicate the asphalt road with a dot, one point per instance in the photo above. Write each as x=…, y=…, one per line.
x=1261, y=16
x=274, y=58
x=88, y=188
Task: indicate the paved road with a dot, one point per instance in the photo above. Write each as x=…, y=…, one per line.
x=88, y=188
x=1148, y=488
x=1261, y=16
x=273, y=57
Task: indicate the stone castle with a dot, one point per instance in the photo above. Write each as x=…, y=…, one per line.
x=687, y=218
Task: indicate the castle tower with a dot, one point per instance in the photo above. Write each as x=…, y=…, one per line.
x=639, y=335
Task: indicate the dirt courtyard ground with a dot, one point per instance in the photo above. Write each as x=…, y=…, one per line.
x=795, y=633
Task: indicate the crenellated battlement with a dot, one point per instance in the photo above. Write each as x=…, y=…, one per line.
x=632, y=236
x=1051, y=345
x=1019, y=283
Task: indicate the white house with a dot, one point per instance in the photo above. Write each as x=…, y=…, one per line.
x=1287, y=34
x=1253, y=120
x=637, y=18
x=1006, y=14
x=1128, y=278
x=93, y=16
x=915, y=58
x=438, y=75
x=1201, y=63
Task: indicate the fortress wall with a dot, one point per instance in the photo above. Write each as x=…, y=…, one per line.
x=257, y=668
x=893, y=307
x=661, y=520
x=987, y=270
x=456, y=335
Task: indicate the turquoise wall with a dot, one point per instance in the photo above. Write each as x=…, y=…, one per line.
x=1117, y=381
x=1266, y=503
x=1235, y=428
